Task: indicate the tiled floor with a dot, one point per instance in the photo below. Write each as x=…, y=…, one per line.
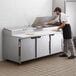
x=48, y=66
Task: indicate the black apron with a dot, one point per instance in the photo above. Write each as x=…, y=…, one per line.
x=67, y=34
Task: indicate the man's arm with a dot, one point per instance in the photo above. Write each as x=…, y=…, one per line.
x=61, y=26
x=51, y=22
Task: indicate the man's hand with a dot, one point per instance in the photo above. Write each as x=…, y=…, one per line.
x=58, y=30
x=50, y=22
x=45, y=23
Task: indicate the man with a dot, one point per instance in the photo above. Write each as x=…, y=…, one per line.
x=67, y=34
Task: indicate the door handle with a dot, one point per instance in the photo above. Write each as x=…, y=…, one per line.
x=51, y=34
x=33, y=37
x=38, y=36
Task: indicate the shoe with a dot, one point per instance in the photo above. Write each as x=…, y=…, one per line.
x=71, y=57
x=63, y=55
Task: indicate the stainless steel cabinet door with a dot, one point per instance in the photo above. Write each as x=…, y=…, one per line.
x=10, y=48
x=56, y=43
x=27, y=49
x=43, y=46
